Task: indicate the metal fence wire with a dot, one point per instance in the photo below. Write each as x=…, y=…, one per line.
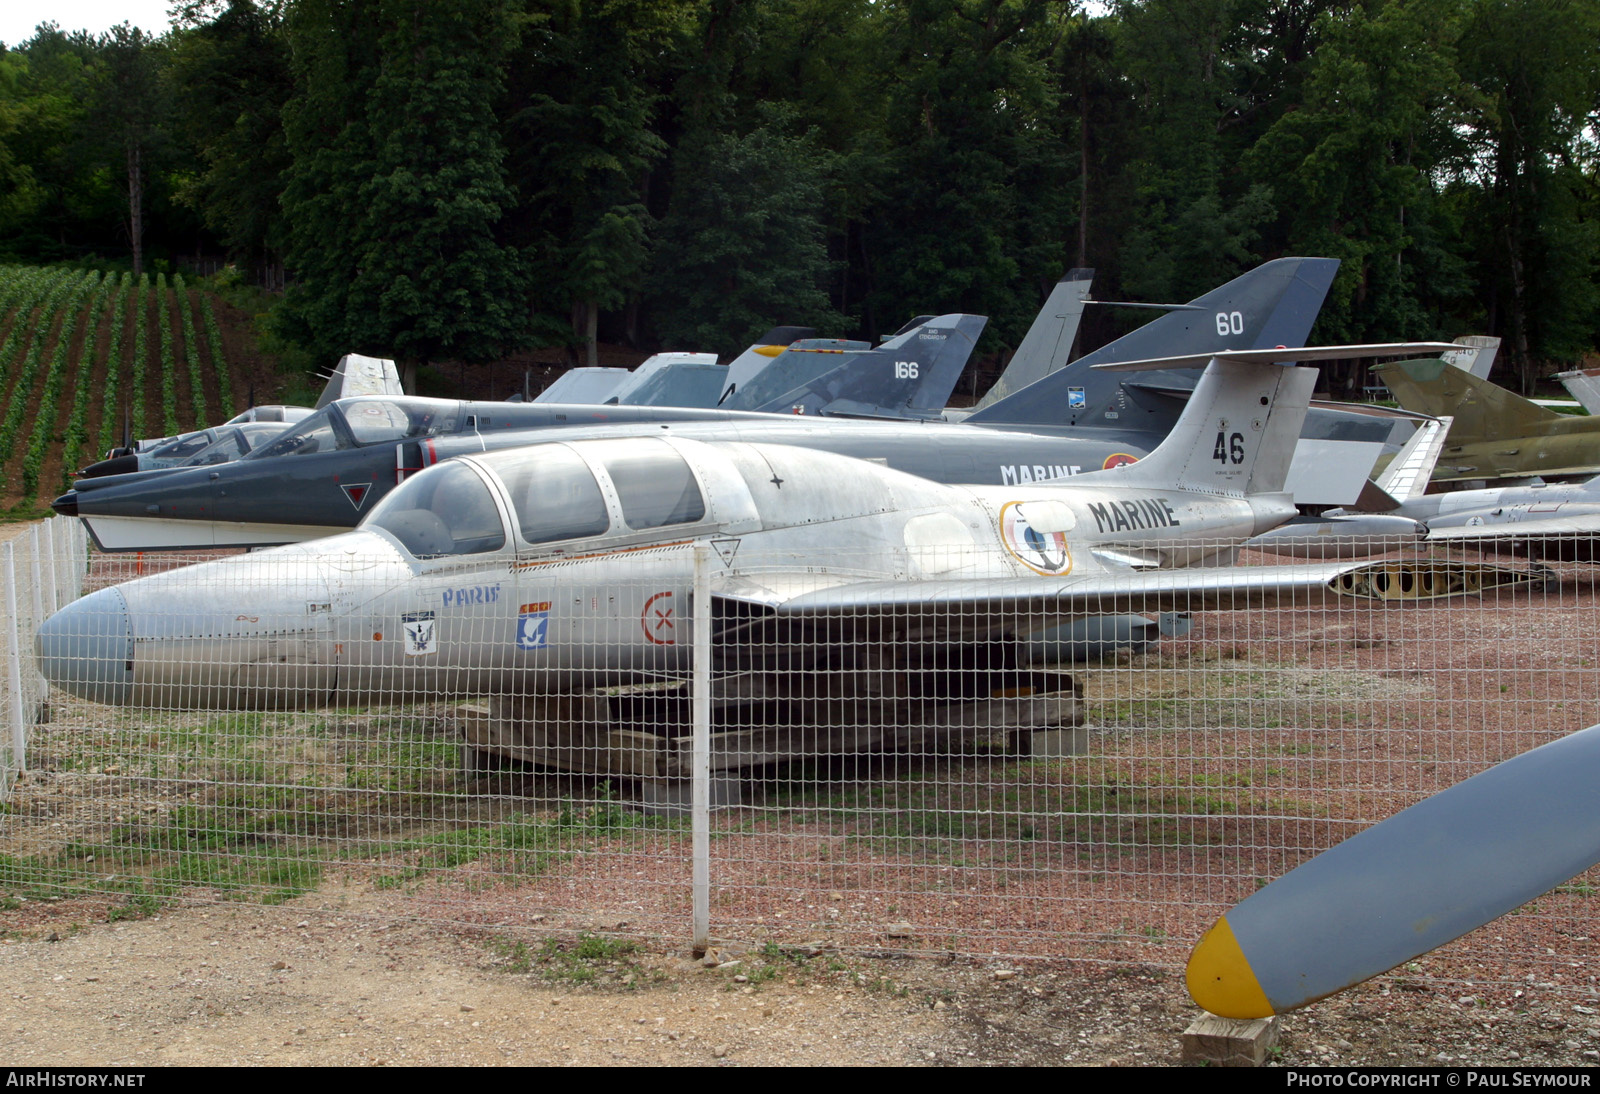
x=508, y=743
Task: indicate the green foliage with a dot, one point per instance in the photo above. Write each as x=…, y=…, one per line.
x=219, y=362
x=44, y=421
x=447, y=180
x=745, y=243
x=111, y=410
x=191, y=352
x=232, y=74
x=395, y=223
x=84, y=390
x=141, y=316
x=169, y=363
x=51, y=319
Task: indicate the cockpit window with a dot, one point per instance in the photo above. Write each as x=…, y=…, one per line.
x=373, y=421
x=554, y=493
x=315, y=434
x=655, y=485
x=185, y=446
x=233, y=442
x=447, y=510
x=359, y=422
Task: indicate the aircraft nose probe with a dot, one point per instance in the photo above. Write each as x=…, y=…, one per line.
x=66, y=504
x=86, y=648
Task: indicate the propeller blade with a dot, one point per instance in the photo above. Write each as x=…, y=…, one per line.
x=1425, y=876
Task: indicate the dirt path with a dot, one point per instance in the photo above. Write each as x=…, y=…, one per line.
x=317, y=982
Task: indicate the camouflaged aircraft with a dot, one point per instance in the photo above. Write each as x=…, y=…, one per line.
x=1496, y=434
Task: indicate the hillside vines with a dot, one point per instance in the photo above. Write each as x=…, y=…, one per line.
x=74, y=345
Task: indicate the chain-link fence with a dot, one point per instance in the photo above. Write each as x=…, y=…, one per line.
x=41, y=569
x=513, y=743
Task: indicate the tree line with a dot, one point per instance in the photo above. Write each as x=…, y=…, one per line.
x=460, y=178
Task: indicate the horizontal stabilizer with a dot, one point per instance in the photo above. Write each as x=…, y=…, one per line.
x=1279, y=354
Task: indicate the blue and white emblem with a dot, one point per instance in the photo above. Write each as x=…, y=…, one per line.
x=421, y=633
x=533, y=626
x=1076, y=400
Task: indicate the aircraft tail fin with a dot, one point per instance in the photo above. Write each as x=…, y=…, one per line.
x=358, y=375
x=1407, y=475
x=1482, y=411
x=1274, y=304
x=1584, y=386
x=1475, y=355
x=909, y=376
x=1237, y=435
x=1046, y=346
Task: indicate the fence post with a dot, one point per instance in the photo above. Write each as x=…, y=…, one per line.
x=700, y=774
x=48, y=564
x=19, y=724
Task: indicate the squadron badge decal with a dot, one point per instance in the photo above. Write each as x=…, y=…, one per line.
x=1042, y=552
x=420, y=631
x=533, y=626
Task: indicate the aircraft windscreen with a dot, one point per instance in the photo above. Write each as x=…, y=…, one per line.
x=316, y=434
x=232, y=443
x=447, y=510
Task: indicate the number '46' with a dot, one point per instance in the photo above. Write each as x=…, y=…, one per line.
x=1230, y=448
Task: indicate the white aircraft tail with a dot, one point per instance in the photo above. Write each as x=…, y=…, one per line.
x=1238, y=433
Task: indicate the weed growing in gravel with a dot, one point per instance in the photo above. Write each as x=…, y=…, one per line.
x=590, y=959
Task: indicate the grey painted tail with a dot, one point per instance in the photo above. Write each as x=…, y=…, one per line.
x=1273, y=305
x=1044, y=349
x=910, y=376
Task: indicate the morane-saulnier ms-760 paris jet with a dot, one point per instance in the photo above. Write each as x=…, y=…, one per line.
x=556, y=567
x=330, y=471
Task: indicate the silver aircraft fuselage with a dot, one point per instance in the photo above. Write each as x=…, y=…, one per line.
x=421, y=603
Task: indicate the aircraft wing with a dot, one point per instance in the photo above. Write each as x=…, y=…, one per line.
x=1573, y=527
x=975, y=606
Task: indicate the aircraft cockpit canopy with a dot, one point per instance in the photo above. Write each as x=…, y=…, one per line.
x=555, y=495
x=283, y=415
x=234, y=442
x=181, y=448
x=357, y=423
x=449, y=510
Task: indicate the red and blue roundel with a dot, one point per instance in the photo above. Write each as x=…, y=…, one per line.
x=1042, y=552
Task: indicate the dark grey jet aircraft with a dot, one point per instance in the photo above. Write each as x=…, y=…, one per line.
x=327, y=473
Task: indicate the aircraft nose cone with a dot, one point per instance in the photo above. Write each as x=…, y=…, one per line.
x=66, y=504
x=86, y=649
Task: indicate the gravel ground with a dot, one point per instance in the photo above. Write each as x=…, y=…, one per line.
x=316, y=983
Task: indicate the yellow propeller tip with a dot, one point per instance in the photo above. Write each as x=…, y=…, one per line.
x=1220, y=979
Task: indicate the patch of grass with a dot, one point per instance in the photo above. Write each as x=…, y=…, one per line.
x=589, y=959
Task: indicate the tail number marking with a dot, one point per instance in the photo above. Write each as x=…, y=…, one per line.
x=1230, y=448
x=1229, y=322
x=905, y=370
